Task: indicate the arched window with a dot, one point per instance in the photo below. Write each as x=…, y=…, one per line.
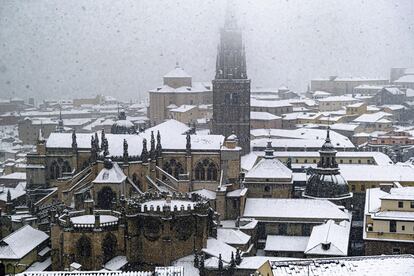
x=211, y=172
x=54, y=170
x=83, y=247
x=105, y=198
x=167, y=167
x=66, y=167
x=173, y=167
x=235, y=98
x=109, y=245
x=227, y=98
x=10, y=269
x=178, y=170
x=199, y=173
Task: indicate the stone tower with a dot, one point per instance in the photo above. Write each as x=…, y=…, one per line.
x=231, y=87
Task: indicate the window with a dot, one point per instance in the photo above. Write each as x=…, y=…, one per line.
x=350, y=161
x=282, y=229
x=359, y=161
x=84, y=247
x=314, y=160
x=306, y=229
x=400, y=204
x=267, y=189
x=199, y=172
x=393, y=226
x=412, y=204
x=353, y=188
x=54, y=170
x=362, y=187
x=396, y=251
x=211, y=172
x=341, y=161
x=306, y=161
x=402, y=227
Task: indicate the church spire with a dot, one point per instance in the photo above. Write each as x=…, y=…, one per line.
x=60, y=127
x=231, y=58
x=230, y=19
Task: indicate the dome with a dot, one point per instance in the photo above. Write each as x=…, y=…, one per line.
x=232, y=137
x=122, y=125
x=326, y=182
x=327, y=186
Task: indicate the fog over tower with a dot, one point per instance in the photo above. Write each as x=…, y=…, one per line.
x=231, y=87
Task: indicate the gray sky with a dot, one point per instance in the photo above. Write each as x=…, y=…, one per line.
x=65, y=49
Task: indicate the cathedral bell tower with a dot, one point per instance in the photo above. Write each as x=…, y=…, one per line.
x=231, y=87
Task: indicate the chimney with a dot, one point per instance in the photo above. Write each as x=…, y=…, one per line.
x=386, y=187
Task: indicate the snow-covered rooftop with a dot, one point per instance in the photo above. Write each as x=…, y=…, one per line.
x=116, y=263
x=269, y=103
x=286, y=243
x=90, y=219
x=338, y=99
x=177, y=72
x=87, y=273
x=232, y=236
x=293, y=209
x=111, y=175
x=329, y=239
x=205, y=193
x=403, y=193
x=301, y=133
x=405, y=79
x=216, y=247
x=380, y=173
x=372, y=117
x=298, y=143
x=265, y=116
x=19, y=243
x=197, y=87
x=171, y=132
x=18, y=191
x=349, y=266
x=15, y=175
x=269, y=168
x=183, y=108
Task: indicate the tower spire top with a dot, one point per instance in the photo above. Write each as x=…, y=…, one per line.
x=230, y=19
